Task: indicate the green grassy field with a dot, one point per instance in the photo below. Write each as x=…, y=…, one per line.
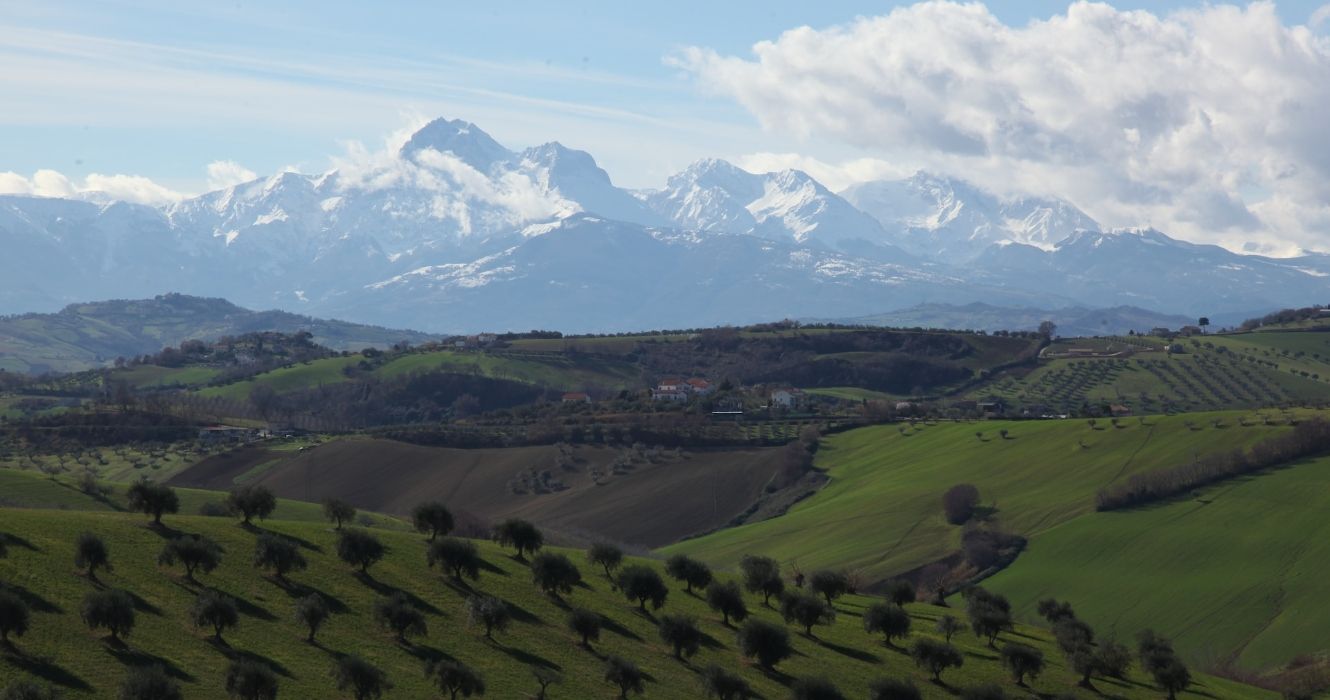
x=1236, y=572
x=306, y=375
x=60, y=649
x=26, y=489
x=881, y=512
x=153, y=376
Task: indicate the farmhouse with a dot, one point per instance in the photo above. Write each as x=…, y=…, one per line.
x=789, y=398
x=218, y=434
x=576, y=397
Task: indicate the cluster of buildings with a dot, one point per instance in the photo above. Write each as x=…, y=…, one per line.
x=681, y=389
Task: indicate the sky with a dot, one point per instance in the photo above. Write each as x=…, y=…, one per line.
x=1202, y=119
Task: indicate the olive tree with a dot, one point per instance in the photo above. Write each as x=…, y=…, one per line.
x=215, y=610
x=806, y=610
x=585, y=624
x=762, y=575
x=312, y=611
x=149, y=683
x=396, y=613
x=145, y=496
x=606, y=556
x=691, y=571
x=112, y=610
x=337, y=511
x=935, y=656
x=459, y=558
x=768, y=643
x=728, y=600
x=521, y=535
x=488, y=612
x=251, y=501
x=642, y=584
x=247, y=679
x=278, y=554
x=455, y=678
x=194, y=552
x=14, y=617
x=626, y=675
x=360, y=549
x=432, y=517
x=363, y=680
x=554, y=574
x=829, y=584
x=681, y=633
x=91, y=554
x=887, y=619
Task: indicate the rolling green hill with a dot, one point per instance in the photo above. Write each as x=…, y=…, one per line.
x=881, y=512
x=59, y=649
x=1236, y=572
x=84, y=336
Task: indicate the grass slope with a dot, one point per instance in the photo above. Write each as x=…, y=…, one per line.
x=1236, y=572
x=60, y=649
x=881, y=512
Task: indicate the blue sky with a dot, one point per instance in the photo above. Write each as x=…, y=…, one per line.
x=161, y=90
x=590, y=74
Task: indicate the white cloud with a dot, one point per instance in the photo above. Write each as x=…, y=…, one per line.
x=1208, y=123
x=1319, y=17
x=836, y=176
x=126, y=188
x=227, y=173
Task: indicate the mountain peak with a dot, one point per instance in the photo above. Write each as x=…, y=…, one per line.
x=461, y=138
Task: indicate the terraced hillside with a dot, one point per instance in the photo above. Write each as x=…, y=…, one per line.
x=59, y=649
x=1237, y=571
x=1230, y=371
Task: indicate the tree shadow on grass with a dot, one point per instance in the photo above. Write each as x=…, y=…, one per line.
x=277, y=667
x=142, y=605
x=139, y=659
x=610, y=625
x=857, y=654
x=386, y=590
x=526, y=657
x=163, y=530
x=15, y=540
x=521, y=614
x=776, y=675
x=492, y=569
x=45, y=669
x=428, y=654
x=985, y=657
x=711, y=642
x=304, y=543
x=302, y=590
x=248, y=608
x=32, y=600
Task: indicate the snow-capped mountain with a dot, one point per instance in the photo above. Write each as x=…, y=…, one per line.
x=453, y=231
x=715, y=196
x=943, y=218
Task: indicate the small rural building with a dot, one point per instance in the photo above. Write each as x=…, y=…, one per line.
x=789, y=398
x=1118, y=410
x=577, y=397
x=700, y=386
x=220, y=434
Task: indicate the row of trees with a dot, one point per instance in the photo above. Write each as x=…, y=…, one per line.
x=809, y=604
x=1308, y=438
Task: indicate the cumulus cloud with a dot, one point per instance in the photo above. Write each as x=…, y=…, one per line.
x=1208, y=123
x=125, y=188
x=228, y=173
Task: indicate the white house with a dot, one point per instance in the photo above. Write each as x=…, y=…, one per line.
x=789, y=398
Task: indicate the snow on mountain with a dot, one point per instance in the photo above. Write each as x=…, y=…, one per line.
x=714, y=195
x=454, y=231
x=942, y=218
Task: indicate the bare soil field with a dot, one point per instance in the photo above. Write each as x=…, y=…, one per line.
x=645, y=498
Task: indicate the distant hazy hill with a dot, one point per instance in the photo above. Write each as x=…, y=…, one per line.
x=82, y=336
x=1072, y=321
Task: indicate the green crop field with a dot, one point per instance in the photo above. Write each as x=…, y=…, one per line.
x=556, y=371
x=59, y=649
x=1238, y=571
x=881, y=514
x=306, y=375
x=153, y=376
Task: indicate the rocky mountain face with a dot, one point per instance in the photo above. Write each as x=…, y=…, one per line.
x=455, y=232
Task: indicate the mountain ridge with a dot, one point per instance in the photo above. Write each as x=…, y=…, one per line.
x=451, y=232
